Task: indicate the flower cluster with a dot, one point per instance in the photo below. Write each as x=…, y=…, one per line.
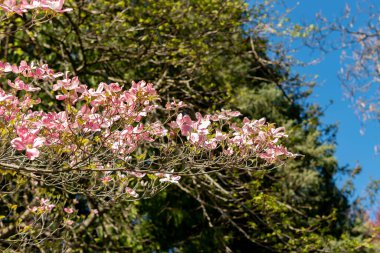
x=28, y=141
x=45, y=206
x=20, y=7
x=254, y=137
x=111, y=129
x=87, y=111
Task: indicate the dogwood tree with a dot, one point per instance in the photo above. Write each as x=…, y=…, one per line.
x=106, y=141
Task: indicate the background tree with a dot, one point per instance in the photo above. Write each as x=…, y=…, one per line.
x=356, y=34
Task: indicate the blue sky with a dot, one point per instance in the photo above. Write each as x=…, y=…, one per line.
x=353, y=148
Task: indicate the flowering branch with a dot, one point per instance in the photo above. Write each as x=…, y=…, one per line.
x=106, y=143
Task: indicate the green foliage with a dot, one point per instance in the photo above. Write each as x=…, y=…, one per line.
x=181, y=46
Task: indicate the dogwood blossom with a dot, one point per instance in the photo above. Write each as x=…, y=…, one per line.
x=28, y=141
x=23, y=6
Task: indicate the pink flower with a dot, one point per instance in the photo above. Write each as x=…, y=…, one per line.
x=210, y=144
x=184, y=123
x=138, y=129
x=106, y=179
x=55, y=5
x=69, y=223
x=29, y=142
x=278, y=133
x=137, y=174
x=228, y=151
x=202, y=122
x=131, y=192
x=91, y=125
x=170, y=178
x=98, y=92
x=68, y=210
x=158, y=129
x=194, y=137
x=219, y=136
x=14, y=6
x=11, y=6
x=20, y=85
x=49, y=207
x=114, y=87
x=273, y=152
x=231, y=113
x=61, y=97
x=4, y=96
x=45, y=205
x=67, y=83
x=174, y=105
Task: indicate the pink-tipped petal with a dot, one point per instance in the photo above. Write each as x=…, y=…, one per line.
x=32, y=153
x=18, y=144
